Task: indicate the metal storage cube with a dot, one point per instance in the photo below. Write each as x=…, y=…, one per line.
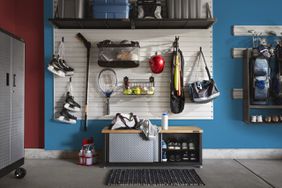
x=131, y=147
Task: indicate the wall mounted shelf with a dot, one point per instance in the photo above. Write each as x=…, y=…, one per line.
x=69, y=23
x=247, y=106
x=265, y=106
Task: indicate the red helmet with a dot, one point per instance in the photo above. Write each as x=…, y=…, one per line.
x=157, y=63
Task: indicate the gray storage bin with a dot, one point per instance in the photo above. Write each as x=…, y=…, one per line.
x=185, y=9
x=170, y=7
x=193, y=8
x=71, y=8
x=177, y=9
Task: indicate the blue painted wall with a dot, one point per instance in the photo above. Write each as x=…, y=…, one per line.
x=227, y=129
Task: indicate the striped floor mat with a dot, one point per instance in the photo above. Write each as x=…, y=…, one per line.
x=154, y=177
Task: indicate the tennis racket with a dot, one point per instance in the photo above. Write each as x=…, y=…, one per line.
x=107, y=83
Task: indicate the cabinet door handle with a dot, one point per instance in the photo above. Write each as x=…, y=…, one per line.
x=14, y=80
x=7, y=79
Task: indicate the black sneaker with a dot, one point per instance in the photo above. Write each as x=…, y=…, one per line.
x=171, y=146
x=171, y=158
x=68, y=70
x=71, y=104
x=177, y=146
x=178, y=157
x=193, y=157
x=191, y=145
x=55, y=67
x=66, y=117
x=185, y=156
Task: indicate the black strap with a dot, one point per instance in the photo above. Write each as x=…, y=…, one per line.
x=122, y=118
x=206, y=66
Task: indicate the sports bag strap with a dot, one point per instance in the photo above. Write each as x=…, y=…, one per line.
x=206, y=66
x=132, y=117
x=122, y=120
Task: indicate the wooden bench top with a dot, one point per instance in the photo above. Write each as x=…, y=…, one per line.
x=171, y=129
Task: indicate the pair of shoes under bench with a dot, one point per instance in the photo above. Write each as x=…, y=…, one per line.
x=59, y=67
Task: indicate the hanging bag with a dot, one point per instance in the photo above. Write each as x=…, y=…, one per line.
x=203, y=91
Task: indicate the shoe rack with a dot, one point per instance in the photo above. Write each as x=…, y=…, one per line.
x=183, y=146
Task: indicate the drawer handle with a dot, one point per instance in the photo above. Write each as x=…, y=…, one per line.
x=7, y=79
x=14, y=80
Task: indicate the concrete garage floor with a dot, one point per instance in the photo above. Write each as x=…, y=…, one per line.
x=215, y=174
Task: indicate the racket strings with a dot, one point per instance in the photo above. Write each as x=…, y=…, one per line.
x=107, y=82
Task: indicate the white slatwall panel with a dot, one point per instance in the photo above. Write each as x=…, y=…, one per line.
x=150, y=41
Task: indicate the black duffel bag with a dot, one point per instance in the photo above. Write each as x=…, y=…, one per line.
x=203, y=91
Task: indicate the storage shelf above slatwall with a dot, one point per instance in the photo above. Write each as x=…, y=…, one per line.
x=69, y=23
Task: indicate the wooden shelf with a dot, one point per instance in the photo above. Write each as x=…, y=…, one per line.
x=186, y=129
x=70, y=23
x=263, y=123
x=171, y=129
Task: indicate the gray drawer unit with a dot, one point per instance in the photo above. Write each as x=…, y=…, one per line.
x=131, y=147
x=12, y=62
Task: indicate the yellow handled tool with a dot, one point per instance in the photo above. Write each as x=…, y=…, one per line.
x=176, y=73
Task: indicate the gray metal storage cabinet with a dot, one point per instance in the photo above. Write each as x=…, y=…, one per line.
x=12, y=62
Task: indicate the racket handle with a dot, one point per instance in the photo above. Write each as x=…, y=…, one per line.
x=108, y=105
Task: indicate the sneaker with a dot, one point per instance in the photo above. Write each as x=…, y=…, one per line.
x=66, y=117
x=171, y=158
x=164, y=146
x=193, y=157
x=68, y=70
x=178, y=157
x=55, y=67
x=177, y=146
x=71, y=104
x=185, y=156
x=171, y=146
x=164, y=158
x=184, y=145
x=191, y=146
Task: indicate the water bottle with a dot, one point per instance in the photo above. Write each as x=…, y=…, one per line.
x=81, y=157
x=165, y=121
x=89, y=158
